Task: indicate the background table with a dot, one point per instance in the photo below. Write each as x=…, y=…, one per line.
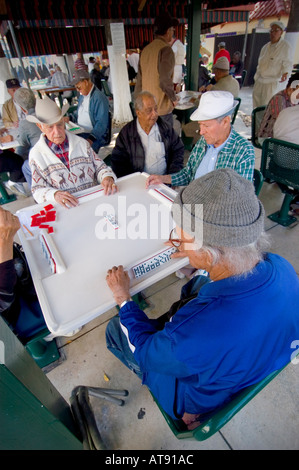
x=89, y=246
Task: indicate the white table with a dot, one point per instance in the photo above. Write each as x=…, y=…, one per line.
x=88, y=246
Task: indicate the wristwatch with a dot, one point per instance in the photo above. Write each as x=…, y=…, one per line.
x=125, y=302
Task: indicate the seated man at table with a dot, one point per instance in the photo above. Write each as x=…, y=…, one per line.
x=62, y=163
x=286, y=125
x=60, y=80
x=28, y=132
x=147, y=143
x=17, y=292
x=12, y=163
x=11, y=112
x=224, y=335
x=93, y=111
x=220, y=146
x=224, y=81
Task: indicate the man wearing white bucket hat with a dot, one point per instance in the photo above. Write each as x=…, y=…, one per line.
x=61, y=162
x=274, y=66
x=220, y=146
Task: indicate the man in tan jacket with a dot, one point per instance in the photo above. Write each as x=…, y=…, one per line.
x=156, y=66
x=11, y=112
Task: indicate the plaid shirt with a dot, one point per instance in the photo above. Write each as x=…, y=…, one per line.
x=61, y=151
x=237, y=154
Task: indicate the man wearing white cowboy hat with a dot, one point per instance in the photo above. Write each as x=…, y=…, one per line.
x=61, y=162
x=274, y=66
x=220, y=146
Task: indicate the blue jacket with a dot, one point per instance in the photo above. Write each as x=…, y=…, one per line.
x=232, y=335
x=100, y=118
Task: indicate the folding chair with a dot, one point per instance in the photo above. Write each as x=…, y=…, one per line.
x=256, y=119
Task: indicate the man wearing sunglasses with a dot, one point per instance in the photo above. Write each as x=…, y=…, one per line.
x=233, y=331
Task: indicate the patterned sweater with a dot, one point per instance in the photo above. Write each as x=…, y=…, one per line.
x=237, y=154
x=49, y=174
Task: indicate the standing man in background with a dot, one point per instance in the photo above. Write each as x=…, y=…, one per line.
x=222, y=52
x=179, y=55
x=156, y=67
x=274, y=66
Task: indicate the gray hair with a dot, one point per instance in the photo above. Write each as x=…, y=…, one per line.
x=25, y=98
x=240, y=260
x=138, y=102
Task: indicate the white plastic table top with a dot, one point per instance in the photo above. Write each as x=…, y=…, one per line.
x=89, y=245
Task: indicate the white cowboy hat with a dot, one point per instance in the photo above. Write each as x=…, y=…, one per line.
x=214, y=104
x=47, y=111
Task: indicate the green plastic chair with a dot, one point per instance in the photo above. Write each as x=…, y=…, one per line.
x=106, y=89
x=256, y=119
x=187, y=141
x=244, y=73
x=217, y=419
x=280, y=163
x=4, y=196
x=234, y=115
x=258, y=180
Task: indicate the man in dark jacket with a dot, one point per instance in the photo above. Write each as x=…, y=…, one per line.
x=17, y=293
x=147, y=143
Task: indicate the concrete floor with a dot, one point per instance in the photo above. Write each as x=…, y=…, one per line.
x=270, y=421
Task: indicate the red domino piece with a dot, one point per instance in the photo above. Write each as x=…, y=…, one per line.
x=50, y=216
x=49, y=207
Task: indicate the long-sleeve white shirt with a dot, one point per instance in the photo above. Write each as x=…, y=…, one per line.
x=274, y=61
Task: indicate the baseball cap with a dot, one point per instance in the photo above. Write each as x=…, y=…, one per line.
x=79, y=75
x=12, y=83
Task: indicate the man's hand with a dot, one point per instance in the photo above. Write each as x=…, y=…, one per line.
x=9, y=225
x=157, y=179
x=6, y=138
x=119, y=282
x=109, y=186
x=66, y=199
x=283, y=78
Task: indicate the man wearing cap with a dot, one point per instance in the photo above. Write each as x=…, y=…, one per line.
x=224, y=81
x=62, y=163
x=156, y=67
x=222, y=52
x=93, y=111
x=274, y=66
x=11, y=111
x=223, y=335
x=220, y=146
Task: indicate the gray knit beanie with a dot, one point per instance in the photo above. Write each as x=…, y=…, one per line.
x=231, y=215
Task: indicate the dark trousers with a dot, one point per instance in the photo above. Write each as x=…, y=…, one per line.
x=12, y=163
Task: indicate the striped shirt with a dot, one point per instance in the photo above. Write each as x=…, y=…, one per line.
x=237, y=154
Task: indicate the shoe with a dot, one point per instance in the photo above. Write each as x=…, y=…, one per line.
x=16, y=188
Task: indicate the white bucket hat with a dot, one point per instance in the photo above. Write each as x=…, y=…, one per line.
x=47, y=111
x=214, y=104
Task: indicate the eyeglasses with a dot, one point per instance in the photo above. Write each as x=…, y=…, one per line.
x=275, y=30
x=177, y=242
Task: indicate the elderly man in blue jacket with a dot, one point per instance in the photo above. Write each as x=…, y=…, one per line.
x=233, y=331
x=93, y=111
